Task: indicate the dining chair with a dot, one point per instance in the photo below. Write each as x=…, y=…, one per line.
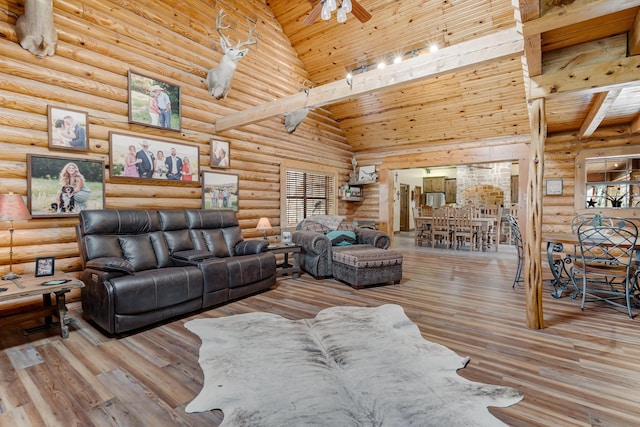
x=494, y=233
x=422, y=229
x=517, y=241
x=462, y=228
x=440, y=227
x=606, y=261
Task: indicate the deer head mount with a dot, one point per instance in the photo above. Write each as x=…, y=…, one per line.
x=219, y=78
x=35, y=28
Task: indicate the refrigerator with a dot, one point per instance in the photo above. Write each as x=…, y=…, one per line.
x=434, y=199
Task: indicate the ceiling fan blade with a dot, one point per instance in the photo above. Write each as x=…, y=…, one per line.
x=360, y=12
x=315, y=13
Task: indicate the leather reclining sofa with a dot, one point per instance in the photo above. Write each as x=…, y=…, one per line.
x=144, y=266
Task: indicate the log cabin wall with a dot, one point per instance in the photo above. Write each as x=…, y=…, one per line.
x=172, y=41
x=560, y=154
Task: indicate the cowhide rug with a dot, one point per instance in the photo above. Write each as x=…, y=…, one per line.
x=349, y=366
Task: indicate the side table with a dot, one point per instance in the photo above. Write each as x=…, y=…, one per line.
x=59, y=285
x=285, y=267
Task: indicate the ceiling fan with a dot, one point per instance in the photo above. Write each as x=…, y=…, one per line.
x=357, y=10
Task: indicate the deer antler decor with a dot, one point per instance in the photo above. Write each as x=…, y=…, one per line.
x=219, y=78
x=35, y=28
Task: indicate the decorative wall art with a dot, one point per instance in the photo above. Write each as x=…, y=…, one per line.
x=45, y=266
x=219, y=191
x=68, y=129
x=220, y=154
x=62, y=186
x=154, y=102
x=133, y=156
x=554, y=187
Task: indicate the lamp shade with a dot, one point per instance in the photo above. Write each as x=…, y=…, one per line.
x=12, y=208
x=264, y=224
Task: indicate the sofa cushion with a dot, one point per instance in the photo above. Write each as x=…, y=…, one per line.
x=98, y=246
x=112, y=264
x=138, y=251
x=342, y=237
x=178, y=240
x=215, y=242
x=192, y=255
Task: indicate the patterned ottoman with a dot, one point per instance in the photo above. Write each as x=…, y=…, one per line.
x=360, y=266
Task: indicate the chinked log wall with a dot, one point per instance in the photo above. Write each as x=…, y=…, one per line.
x=173, y=41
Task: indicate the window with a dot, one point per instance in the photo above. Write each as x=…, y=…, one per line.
x=608, y=181
x=308, y=193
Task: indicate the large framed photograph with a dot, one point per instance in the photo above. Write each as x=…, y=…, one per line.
x=220, y=154
x=133, y=156
x=68, y=129
x=154, y=102
x=63, y=186
x=219, y=191
x=45, y=266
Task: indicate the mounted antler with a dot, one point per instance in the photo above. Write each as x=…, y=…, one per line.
x=219, y=79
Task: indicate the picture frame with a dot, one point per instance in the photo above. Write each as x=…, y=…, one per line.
x=46, y=177
x=45, y=266
x=219, y=191
x=553, y=187
x=220, y=154
x=148, y=101
x=128, y=159
x=285, y=237
x=68, y=129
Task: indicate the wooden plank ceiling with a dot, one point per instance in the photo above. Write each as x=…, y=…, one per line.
x=485, y=102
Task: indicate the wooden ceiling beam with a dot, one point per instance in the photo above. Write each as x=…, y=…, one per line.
x=502, y=44
x=575, y=13
x=597, y=113
x=634, y=36
x=619, y=73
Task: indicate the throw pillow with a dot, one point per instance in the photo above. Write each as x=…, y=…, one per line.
x=342, y=237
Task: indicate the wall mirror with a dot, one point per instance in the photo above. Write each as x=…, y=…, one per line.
x=608, y=179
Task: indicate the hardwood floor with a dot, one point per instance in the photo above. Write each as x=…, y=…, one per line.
x=583, y=369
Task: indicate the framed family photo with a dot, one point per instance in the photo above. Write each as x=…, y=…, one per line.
x=154, y=102
x=220, y=154
x=68, y=129
x=219, y=191
x=45, y=266
x=133, y=156
x=63, y=186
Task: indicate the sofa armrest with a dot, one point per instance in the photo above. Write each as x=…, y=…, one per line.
x=111, y=264
x=250, y=247
x=375, y=238
x=311, y=241
x=191, y=255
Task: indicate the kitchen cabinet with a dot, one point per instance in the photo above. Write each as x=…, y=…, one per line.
x=434, y=185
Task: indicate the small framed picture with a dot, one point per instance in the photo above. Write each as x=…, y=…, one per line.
x=219, y=191
x=44, y=266
x=286, y=237
x=554, y=187
x=219, y=154
x=154, y=102
x=68, y=129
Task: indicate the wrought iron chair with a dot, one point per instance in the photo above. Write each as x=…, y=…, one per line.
x=606, y=261
x=517, y=241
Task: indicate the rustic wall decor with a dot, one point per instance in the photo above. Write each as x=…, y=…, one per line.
x=219, y=191
x=220, y=154
x=134, y=156
x=63, y=186
x=68, y=129
x=154, y=102
x=45, y=266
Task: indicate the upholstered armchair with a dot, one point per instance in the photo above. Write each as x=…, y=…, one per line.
x=320, y=235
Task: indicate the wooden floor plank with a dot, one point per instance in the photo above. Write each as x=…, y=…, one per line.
x=583, y=369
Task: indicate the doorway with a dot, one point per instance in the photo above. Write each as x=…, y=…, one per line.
x=404, y=207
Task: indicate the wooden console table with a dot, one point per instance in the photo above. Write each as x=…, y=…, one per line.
x=30, y=286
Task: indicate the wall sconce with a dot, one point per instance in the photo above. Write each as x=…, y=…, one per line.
x=264, y=224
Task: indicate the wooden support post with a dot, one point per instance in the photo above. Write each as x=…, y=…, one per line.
x=533, y=258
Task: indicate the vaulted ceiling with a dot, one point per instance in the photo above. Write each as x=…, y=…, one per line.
x=582, y=56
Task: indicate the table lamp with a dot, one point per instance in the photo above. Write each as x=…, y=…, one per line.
x=12, y=208
x=264, y=224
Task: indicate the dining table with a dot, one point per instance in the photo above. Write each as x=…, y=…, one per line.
x=560, y=265
x=481, y=222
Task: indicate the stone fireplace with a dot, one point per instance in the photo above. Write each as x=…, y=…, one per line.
x=484, y=184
